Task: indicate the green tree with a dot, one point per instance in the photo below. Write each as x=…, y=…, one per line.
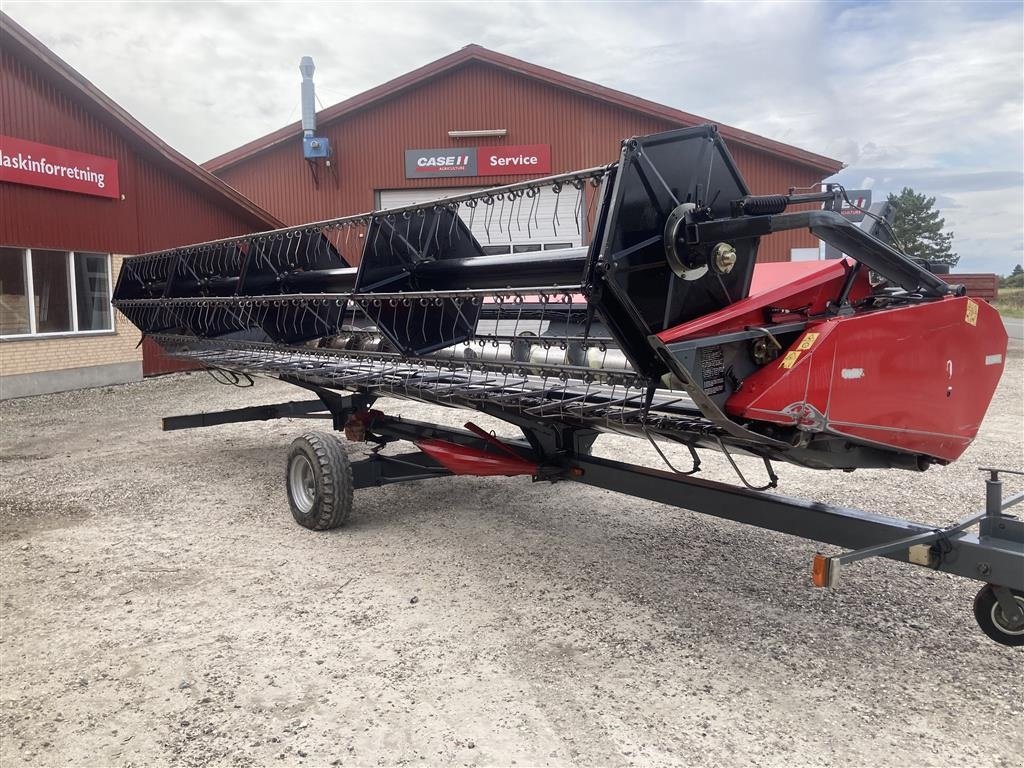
x=1015, y=279
x=919, y=228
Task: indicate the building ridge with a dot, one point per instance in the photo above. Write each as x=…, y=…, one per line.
x=474, y=53
x=27, y=46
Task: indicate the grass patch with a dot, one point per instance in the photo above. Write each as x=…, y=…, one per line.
x=1010, y=302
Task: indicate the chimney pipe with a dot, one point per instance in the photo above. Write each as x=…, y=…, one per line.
x=306, y=67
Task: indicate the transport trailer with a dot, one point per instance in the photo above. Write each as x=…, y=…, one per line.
x=664, y=328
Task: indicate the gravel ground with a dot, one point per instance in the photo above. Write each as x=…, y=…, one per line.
x=160, y=606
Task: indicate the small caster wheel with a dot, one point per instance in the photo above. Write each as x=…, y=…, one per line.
x=992, y=620
x=319, y=481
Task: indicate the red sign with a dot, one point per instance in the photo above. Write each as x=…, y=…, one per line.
x=40, y=165
x=528, y=160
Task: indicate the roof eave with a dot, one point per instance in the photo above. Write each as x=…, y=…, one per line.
x=477, y=53
x=47, y=61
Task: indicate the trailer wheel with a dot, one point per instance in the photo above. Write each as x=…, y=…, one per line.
x=319, y=481
x=991, y=619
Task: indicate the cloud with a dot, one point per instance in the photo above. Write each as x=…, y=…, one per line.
x=933, y=181
x=910, y=94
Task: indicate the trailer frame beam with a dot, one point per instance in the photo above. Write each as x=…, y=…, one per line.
x=995, y=555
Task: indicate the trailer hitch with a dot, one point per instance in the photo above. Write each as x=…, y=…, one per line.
x=930, y=547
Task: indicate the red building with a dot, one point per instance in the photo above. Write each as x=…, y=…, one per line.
x=514, y=109
x=82, y=184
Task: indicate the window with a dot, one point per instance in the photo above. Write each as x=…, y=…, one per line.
x=499, y=250
x=13, y=295
x=495, y=250
x=44, y=292
x=92, y=287
x=51, y=291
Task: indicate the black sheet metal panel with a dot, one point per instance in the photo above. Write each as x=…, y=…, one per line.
x=396, y=244
x=275, y=261
x=634, y=287
x=145, y=277
x=292, y=261
x=550, y=269
x=411, y=255
x=210, y=271
x=397, y=248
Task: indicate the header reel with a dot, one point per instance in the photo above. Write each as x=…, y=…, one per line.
x=663, y=325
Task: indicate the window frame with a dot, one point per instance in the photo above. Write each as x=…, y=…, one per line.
x=534, y=246
x=69, y=265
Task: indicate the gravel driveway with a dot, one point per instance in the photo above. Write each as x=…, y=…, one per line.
x=160, y=606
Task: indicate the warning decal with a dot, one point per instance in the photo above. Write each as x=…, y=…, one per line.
x=790, y=359
x=971, y=318
x=712, y=370
x=807, y=341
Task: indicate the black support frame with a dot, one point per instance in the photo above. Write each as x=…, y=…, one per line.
x=994, y=555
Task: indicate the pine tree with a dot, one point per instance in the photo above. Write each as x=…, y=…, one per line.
x=1015, y=279
x=919, y=228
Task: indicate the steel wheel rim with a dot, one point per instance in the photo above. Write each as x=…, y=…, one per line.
x=999, y=619
x=302, y=483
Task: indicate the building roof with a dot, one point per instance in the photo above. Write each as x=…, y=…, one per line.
x=27, y=48
x=479, y=54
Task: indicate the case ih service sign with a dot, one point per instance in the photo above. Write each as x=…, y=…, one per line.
x=526, y=160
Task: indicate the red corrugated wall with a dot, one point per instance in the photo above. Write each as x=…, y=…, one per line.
x=369, y=146
x=980, y=285
x=160, y=208
x=155, y=362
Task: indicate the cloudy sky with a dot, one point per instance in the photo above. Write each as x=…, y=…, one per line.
x=921, y=94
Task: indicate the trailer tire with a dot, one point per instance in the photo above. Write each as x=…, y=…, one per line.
x=989, y=616
x=318, y=481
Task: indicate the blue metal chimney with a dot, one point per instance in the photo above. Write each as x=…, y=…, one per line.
x=313, y=147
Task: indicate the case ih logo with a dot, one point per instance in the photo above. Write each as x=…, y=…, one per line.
x=861, y=198
x=443, y=164
x=526, y=160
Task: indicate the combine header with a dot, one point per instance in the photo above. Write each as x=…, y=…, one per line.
x=663, y=328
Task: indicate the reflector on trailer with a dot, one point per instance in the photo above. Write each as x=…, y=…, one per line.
x=824, y=571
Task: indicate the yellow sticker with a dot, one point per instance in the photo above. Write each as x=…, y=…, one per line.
x=971, y=318
x=790, y=359
x=807, y=341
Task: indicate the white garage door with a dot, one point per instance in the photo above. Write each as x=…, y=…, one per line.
x=550, y=226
